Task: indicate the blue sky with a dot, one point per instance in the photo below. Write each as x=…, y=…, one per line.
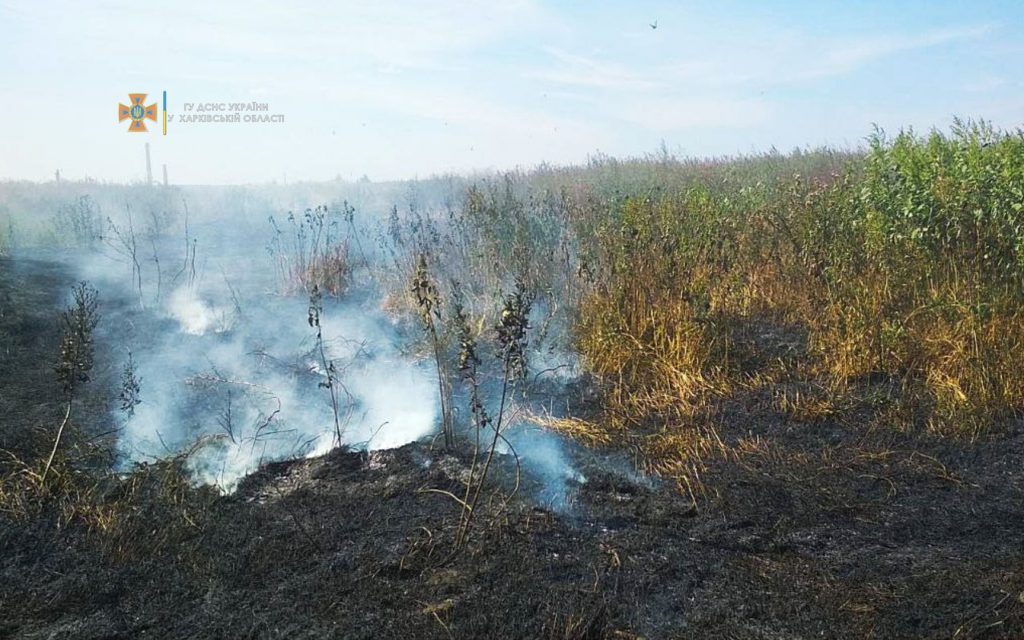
x=407, y=89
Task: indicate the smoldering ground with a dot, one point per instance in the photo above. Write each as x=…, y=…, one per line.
x=228, y=365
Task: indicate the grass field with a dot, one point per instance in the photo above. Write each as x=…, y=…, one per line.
x=785, y=388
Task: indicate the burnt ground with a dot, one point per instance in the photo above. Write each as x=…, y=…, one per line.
x=820, y=529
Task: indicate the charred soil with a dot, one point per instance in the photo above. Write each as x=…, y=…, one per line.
x=821, y=530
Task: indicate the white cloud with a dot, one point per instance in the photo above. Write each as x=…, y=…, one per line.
x=587, y=72
x=779, y=58
x=670, y=114
x=845, y=56
x=385, y=34
x=987, y=84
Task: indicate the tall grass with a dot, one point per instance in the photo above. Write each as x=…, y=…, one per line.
x=312, y=251
x=907, y=264
x=681, y=283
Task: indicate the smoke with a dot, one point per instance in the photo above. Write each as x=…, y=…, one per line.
x=231, y=373
x=241, y=385
x=546, y=455
x=195, y=315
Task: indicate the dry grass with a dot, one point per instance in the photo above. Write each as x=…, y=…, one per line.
x=120, y=510
x=905, y=267
x=590, y=433
x=310, y=251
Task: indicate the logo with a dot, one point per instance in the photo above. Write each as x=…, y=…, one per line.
x=137, y=112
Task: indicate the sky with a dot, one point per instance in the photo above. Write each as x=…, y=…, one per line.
x=396, y=90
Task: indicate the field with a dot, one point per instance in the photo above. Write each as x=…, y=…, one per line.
x=771, y=396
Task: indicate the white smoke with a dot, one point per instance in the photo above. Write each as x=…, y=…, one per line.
x=232, y=375
x=195, y=315
x=238, y=392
